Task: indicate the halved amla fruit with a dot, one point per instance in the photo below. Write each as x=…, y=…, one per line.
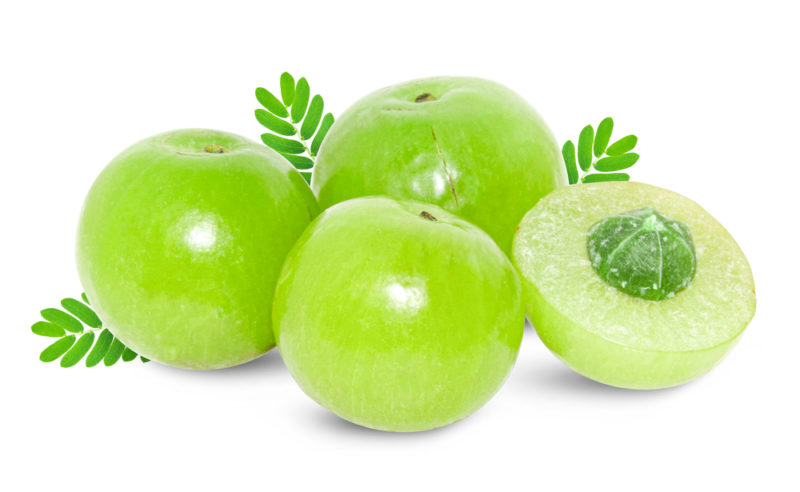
x=632, y=285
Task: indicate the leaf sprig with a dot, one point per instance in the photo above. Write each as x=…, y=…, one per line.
x=595, y=154
x=293, y=115
x=79, y=332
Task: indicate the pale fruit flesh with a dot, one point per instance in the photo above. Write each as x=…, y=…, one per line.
x=609, y=335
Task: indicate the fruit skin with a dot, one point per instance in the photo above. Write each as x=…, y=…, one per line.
x=613, y=363
x=396, y=322
x=608, y=335
x=179, y=248
x=478, y=150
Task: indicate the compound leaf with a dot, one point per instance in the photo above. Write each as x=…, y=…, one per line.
x=568, y=151
x=100, y=348
x=57, y=349
x=585, y=147
x=98, y=343
x=298, y=115
x=271, y=102
x=62, y=319
x=287, y=88
x=78, y=350
x=300, y=103
x=82, y=312
x=610, y=158
x=624, y=144
x=47, y=329
x=326, y=124
x=603, y=135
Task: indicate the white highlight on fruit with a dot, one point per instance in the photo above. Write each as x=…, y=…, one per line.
x=202, y=236
x=406, y=297
x=439, y=185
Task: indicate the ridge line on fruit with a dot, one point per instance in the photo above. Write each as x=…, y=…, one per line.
x=444, y=161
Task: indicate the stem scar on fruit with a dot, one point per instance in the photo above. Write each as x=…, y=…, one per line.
x=427, y=96
x=214, y=149
x=425, y=215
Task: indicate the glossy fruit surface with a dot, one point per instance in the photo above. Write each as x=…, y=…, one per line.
x=180, y=242
x=397, y=315
x=468, y=145
x=607, y=334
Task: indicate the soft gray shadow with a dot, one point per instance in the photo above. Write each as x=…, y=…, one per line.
x=558, y=378
x=529, y=328
x=270, y=362
x=329, y=422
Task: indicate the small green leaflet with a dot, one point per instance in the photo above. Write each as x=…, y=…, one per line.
x=312, y=118
x=114, y=353
x=81, y=348
x=272, y=122
x=597, y=178
x=585, y=147
x=300, y=102
x=569, y=159
x=603, y=135
x=128, y=355
x=62, y=319
x=100, y=348
x=624, y=144
x=46, y=329
x=287, y=88
x=272, y=103
x=82, y=312
x=283, y=145
x=57, y=349
x=296, y=115
x=78, y=318
x=327, y=122
x=617, y=162
x=300, y=161
x=596, y=158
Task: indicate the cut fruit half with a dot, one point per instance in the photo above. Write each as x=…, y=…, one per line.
x=691, y=304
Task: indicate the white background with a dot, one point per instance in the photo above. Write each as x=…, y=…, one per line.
x=710, y=88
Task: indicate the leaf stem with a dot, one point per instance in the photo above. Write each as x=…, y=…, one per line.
x=300, y=137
